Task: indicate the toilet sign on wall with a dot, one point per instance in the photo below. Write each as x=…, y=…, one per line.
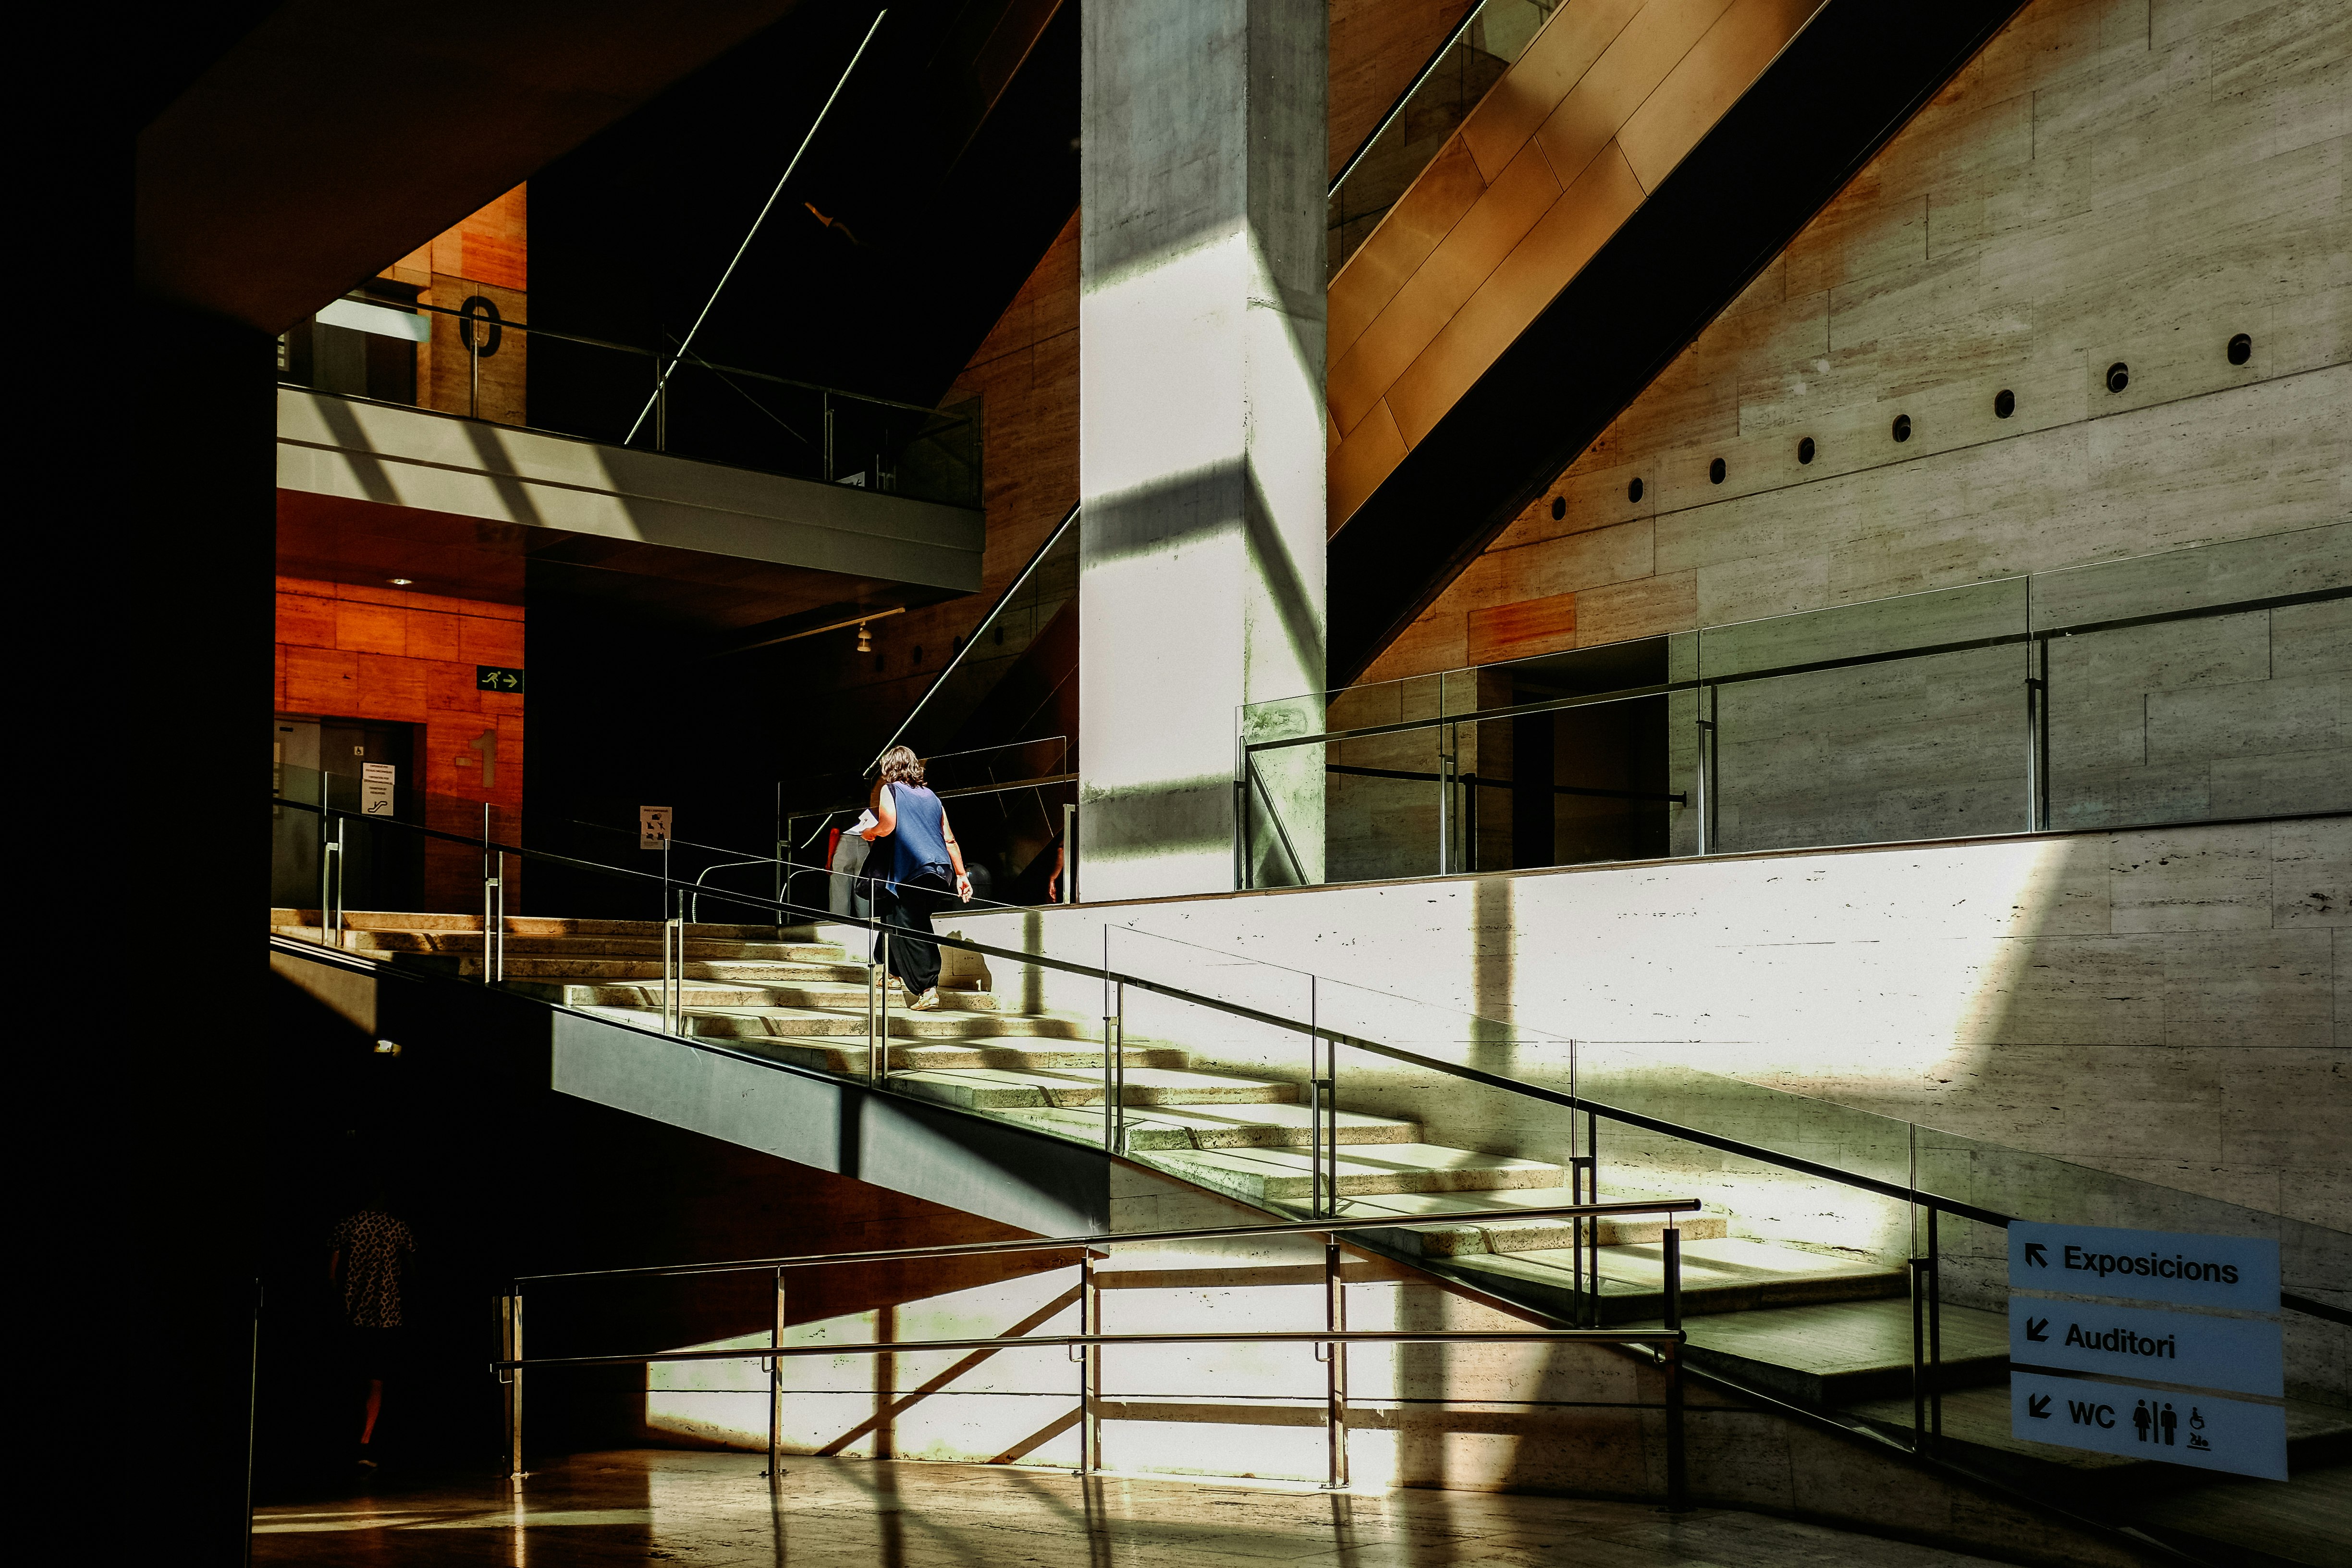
x=375, y=788
x=2150, y=1382
x=653, y=826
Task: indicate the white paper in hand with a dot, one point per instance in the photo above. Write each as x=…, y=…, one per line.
x=864, y=820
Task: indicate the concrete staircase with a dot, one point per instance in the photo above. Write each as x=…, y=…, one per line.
x=801, y=1000
x=1824, y=1329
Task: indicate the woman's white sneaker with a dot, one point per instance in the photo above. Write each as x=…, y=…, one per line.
x=927, y=1002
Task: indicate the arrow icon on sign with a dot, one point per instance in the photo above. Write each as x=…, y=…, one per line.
x=2037, y=1328
x=2036, y=1256
x=2038, y=1407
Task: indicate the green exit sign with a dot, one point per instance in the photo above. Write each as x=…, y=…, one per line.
x=490, y=677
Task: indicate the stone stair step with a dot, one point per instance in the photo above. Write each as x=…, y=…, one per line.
x=546, y=925
x=992, y=1088
x=1275, y=1175
x=784, y=978
x=1837, y=1352
x=1024, y=1044
x=785, y=1024
x=1526, y=1235
x=1270, y=1125
x=979, y=1028
x=815, y=955
x=1726, y=1276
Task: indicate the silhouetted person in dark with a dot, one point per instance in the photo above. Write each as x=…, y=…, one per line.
x=371, y=1252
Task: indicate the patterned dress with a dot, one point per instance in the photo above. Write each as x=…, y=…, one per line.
x=374, y=1245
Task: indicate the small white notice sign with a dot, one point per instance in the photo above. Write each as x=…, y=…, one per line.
x=2201, y=1429
x=653, y=826
x=376, y=780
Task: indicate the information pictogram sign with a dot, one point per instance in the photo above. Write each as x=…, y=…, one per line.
x=2147, y=1380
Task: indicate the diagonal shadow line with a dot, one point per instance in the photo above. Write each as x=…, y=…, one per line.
x=500, y=469
x=1302, y=614
x=892, y=1411
x=353, y=447
x=1039, y=1438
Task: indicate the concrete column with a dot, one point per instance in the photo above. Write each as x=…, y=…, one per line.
x=1201, y=431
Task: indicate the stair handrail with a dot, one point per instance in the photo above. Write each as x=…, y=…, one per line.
x=1916, y=1196
x=972, y=639
x=1437, y=58
x=1074, y=1243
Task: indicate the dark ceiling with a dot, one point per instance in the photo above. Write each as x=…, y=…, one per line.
x=937, y=180
x=295, y=151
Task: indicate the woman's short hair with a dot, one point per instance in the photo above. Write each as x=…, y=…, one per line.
x=900, y=765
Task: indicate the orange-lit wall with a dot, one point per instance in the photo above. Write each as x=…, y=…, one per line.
x=386, y=654
x=486, y=255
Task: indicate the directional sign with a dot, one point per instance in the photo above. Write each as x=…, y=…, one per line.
x=2240, y=1354
x=2145, y=1266
x=492, y=678
x=2135, y=1423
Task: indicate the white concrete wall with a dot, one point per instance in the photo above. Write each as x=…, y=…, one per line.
x=1200, y=350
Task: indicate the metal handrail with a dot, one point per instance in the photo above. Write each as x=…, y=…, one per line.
x=1332, y=1341
x=1851, y=661
x=1921, y=1197
x=1034, y=1341
x=1422, y=75
x=1257, y=1015
x=1073, y=1242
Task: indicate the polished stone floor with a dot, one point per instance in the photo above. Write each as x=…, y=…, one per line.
x=708, y=1510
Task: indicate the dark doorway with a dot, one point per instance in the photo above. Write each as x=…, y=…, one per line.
x=328, y=761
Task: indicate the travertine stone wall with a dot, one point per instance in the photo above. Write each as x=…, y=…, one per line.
x=2110, y=180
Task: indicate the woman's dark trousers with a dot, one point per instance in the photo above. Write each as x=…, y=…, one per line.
x=907, y=911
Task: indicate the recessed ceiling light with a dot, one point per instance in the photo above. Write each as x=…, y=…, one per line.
x=402, y=582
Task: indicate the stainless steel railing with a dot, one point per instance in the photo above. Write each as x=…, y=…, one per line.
x=1332, y=1341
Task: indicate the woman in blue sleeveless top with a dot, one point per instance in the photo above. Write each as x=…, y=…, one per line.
x=915, y=857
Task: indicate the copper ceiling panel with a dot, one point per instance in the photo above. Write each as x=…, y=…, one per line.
x=1439, y=312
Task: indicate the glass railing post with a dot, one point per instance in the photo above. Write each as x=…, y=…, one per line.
x=776, y=1388
x=878, y=1047
x=1677, y=1467
x=1918, y=1272
x=1444, y=800
x=1334, y=1363
x=510, y=1321
x=1935, y=1332
x=1090, y=1359
x=1705, y=789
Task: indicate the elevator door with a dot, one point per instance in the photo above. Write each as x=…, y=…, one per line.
x=324, y=761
